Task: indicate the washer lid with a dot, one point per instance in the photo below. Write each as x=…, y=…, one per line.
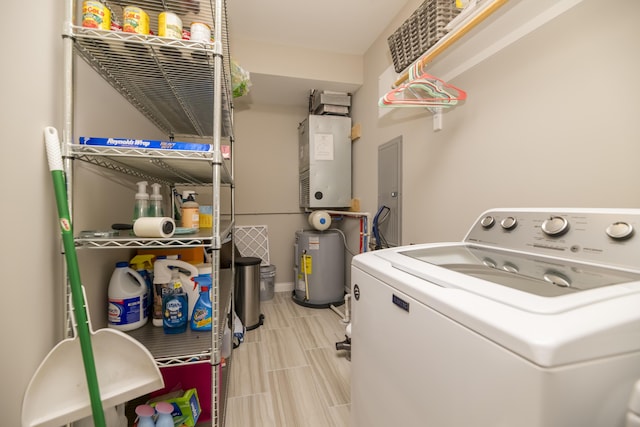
x=533, y=283
x=535, y=275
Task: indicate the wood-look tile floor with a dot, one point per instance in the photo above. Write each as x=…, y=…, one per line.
x=287, y=372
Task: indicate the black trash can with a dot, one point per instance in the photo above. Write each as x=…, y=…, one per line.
x=247, y=291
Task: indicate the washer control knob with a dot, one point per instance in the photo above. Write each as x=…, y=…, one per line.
x=489, y=262
x=620, y=230
x=555, y=226
x=557, y=279
x=510, y=267
x=487, y=221
x=509, y=223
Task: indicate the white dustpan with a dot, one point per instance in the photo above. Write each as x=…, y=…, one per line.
x=83, y=375
x=58, y=392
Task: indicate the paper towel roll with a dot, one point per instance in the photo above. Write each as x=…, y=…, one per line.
x=320, y=220
x=154, y=226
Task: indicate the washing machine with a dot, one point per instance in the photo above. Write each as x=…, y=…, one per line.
x=532, y=320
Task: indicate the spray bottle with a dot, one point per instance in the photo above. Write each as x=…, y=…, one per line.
x=162, y=285
x=202, y=311
x=155, y=209
x=190, y=211
x=141, y=206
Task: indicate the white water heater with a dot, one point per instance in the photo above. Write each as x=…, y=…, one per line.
x=324, y=144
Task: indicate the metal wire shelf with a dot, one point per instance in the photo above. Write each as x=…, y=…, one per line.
x=170, y=81
x=202, y=238
x=191, y=346
x=168, y=167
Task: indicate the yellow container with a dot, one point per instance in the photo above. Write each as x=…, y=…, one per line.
x=169, y=25
x=206, y=216
x=96, y=15
x=135, y=20
x=206, y=220
x=193, y=256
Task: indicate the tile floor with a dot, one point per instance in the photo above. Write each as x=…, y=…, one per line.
x=287, y=372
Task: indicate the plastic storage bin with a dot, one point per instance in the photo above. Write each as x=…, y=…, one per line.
x=267, y=282
x=247, y=291
x=423, y=29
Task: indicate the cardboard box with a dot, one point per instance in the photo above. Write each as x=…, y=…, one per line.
x=186, y=407
x=144, y=143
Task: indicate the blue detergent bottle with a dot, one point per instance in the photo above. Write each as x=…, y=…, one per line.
x=202, y=311
x=175, y=305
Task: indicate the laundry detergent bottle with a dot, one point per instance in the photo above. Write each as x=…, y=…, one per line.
x=143, y=264
x=163, y=285
x=127, y=294
x=175, y=304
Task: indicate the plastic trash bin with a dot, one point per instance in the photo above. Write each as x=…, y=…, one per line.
x=247, y=291
x=267, y=282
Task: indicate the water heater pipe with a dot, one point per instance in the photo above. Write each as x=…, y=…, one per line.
x=364, y=234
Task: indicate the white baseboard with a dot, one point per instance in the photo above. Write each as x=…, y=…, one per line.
x=283, y=287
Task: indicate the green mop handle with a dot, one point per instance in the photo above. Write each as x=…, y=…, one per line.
x=79, y=305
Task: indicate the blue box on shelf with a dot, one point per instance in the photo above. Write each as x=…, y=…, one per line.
x=144, y=143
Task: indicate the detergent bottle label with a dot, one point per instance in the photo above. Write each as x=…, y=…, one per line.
x=174, y=313
x=201, y=319
x=124, y=311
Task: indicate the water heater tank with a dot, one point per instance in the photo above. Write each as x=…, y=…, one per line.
x=319, y=268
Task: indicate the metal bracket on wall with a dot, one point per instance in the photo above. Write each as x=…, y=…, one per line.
x=437, y=118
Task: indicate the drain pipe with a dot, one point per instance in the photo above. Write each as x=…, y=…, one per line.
x=346, y=317
x=365, y=235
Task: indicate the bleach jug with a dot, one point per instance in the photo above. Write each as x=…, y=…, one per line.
x=127, y=295
x=162, y=273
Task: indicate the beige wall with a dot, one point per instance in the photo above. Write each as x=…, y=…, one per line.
x=32, y=94
x=549, y=121
x=30, y=101
x=533, y=132
x=276, y=60
x=266, y=178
